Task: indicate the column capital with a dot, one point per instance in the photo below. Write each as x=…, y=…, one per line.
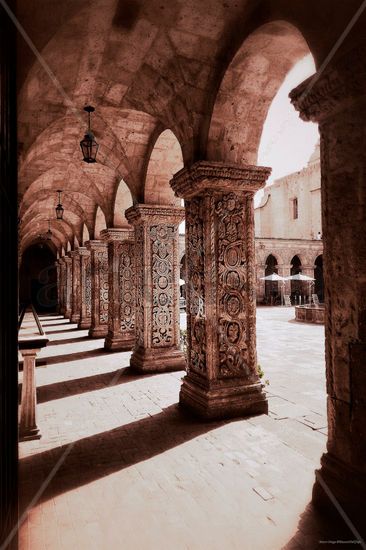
x=117, y=234
x=96, y=245
x=154, y=213
x=83, y=251
x=66, y=259
x=205, y=176
x=322, y=95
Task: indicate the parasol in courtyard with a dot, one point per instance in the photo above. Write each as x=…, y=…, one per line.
x=182, y=282
x=273, y=277
x=300, y=277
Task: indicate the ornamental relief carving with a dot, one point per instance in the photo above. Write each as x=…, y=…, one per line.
x=139, y=281
x=196, y=325
x=88, y=286
x=230, y=212
x=102, y=267
x=126, y=286
x=162, y=259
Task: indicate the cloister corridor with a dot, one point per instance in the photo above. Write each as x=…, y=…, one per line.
x=138, y=473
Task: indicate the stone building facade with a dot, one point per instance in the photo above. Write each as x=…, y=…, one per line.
x=288, y=234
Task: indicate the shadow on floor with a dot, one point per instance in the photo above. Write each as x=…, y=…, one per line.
x=60, y=331
x=67, y=388
x=102, y=454
x=318, y=530
x=68, y=340
x=75, y=356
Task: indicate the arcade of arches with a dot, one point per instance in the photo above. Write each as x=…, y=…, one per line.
x=181, y=91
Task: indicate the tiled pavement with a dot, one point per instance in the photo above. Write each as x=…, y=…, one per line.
x=134, y=472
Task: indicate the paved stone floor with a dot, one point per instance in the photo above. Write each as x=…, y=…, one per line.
x=119, y=466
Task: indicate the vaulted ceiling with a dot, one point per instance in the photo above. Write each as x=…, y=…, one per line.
x=172, y=81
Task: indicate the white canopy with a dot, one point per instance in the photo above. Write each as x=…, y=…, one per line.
x=299, y=277
x=273, y=277
x=181, y=282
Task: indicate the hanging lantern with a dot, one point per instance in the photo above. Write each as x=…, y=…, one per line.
x=49, y=232
x=59, y=208
x=89, y=146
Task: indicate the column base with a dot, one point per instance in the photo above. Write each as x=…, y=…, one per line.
x=118, y=343
x=98, y=332
x=84, y=324
x=29, y=435
x=75, y=318
x=67, y=314
x=158, y=360
x=336, y=480
x=222, y=399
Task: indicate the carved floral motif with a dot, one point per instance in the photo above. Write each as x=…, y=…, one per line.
x=196, y=329
x=139, y=278
x=162, y=250
x=87, y=295
x=126, y=286
x=102, y=266
x=232, y=284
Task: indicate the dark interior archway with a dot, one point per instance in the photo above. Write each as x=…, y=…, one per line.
x=319, y=278
x=37, y=278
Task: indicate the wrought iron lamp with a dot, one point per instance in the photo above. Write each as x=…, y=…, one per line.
x=89, y=146
x=59, y=208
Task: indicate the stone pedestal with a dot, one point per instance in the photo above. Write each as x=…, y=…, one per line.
x=68, y=287
x=28, y=428
x=157, y=346
x=122, y=280
x=337, y=101
x=99, y=288
x=222, y=379
x=75, y=297
x=85, y=288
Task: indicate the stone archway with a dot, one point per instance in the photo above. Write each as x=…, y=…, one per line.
x=271, y=287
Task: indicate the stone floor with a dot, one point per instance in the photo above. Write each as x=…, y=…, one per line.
x=119, y=466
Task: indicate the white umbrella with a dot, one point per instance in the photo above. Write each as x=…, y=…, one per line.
x=299, y=277
x=273, y=277
x=181, y=282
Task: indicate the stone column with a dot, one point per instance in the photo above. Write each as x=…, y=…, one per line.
x=222, y=379
x=85, y=288
x=284, y=270
x=59, y=286
x=99, y=288
x=68, y=287
x=75, y=297
x=61, y=278
x=121, y=280
x=157, y=347
x=260, y=284
x=337, y=101
x=28, y=428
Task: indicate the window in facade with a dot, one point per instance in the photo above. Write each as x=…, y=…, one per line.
x=295, y=209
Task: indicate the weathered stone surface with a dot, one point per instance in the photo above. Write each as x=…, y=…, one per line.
x=157, y=345
x=76, y=280
x=85, y=288
x=99, y=288
x=222, y=377
x=122, y=283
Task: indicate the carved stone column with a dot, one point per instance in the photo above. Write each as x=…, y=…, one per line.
x=222, y=379
x=75, y=300
x=59, y=289
x=157, y=346
x=68, y=287
x=61, y=278
x=99, y=288
x=85, y=288
x=337, y=101
x=122, y=280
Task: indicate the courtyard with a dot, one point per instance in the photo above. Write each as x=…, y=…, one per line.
x=119, y=465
